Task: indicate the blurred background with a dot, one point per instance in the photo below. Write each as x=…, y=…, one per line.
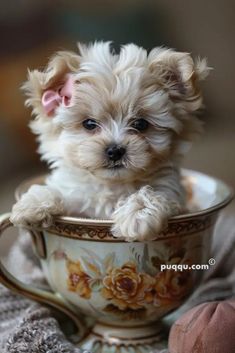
x=31, y=31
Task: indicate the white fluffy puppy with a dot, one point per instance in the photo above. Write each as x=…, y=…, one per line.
x=113, y=128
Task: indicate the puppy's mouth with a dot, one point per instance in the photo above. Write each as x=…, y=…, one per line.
x=115, y=166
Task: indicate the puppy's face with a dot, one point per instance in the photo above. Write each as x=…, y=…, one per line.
x=112, y=127
x=117, y=116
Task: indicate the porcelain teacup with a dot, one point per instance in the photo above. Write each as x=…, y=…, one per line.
x=126, y=287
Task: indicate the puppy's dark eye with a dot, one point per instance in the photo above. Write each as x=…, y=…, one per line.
x=140, y=124
x=89, y=124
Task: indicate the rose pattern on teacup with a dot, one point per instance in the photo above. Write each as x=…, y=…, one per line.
x=126, y=288
x=78, y=281
x=132, y=289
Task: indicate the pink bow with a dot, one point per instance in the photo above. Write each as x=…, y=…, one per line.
x=51, y=99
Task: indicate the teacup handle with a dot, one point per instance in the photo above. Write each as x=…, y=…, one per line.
x=40, y=295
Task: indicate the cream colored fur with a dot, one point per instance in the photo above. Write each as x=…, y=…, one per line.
x=114, y=89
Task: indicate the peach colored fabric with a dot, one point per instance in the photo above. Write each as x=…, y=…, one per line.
x=207, y=328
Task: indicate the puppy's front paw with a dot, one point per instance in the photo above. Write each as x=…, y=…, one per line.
x=37, y=206
x=140, y=217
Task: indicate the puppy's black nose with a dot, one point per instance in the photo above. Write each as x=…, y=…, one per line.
x=115, y=152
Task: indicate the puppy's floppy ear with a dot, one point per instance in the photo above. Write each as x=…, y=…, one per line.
x=52, y=87
x=178, y=74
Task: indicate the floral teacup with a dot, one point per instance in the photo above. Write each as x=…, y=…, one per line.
x=125, y=287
